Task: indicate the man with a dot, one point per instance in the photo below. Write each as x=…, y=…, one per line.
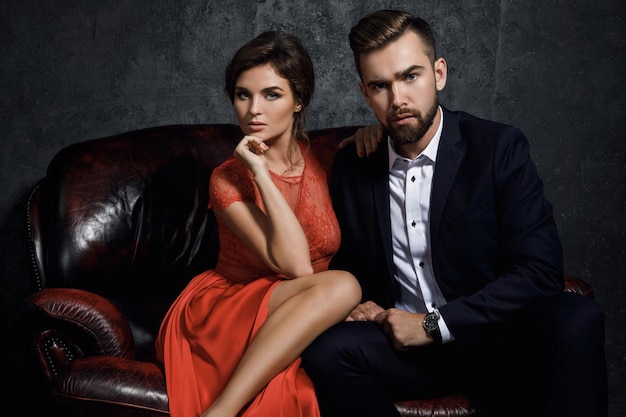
x=457, y=252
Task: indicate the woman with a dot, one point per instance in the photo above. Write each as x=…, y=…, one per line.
x=231, y=341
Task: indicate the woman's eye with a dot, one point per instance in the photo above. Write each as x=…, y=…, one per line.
x=272, y=96
x=242, y=95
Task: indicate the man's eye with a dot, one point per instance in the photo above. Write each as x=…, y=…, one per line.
x=411, y=77
x=379, y=86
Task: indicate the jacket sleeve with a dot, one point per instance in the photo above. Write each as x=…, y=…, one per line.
x=496, y=250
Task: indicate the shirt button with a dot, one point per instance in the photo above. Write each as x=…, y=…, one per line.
x=421, y=264
x=413, y=224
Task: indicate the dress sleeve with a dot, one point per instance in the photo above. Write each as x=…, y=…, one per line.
x=230, y=182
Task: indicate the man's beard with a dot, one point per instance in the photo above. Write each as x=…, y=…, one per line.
x=407, y=134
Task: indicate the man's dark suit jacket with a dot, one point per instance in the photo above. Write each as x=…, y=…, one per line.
x=495, y=246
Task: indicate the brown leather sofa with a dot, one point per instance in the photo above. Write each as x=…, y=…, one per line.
x=116, y=228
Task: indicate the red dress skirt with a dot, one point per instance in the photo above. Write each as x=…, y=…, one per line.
x=210, y=325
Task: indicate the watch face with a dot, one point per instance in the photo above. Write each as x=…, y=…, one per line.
x=430, y=322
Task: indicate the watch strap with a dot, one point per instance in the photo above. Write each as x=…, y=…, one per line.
x=436, y=335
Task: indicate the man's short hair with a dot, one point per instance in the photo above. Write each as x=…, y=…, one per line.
x=380, y=28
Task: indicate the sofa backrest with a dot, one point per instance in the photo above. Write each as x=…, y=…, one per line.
x=126, y=216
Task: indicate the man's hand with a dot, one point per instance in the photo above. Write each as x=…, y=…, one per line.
x=365, y=312
x=366, y=139
x=404, y=329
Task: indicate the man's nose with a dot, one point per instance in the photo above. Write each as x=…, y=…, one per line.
x=398, y=95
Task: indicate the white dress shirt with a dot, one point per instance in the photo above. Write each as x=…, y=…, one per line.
x=410, y=184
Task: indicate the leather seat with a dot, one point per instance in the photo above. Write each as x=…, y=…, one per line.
x=116, y=229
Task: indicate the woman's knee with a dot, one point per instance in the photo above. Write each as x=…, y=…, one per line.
x=350, y=286
x=341, y=287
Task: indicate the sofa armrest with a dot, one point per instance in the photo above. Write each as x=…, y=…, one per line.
x=577, y=285
x=118, y=387
x=69, y=323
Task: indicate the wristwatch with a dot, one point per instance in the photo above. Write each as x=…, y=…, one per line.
x=431, y=325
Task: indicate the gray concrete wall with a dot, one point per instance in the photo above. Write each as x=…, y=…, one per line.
x=76, y=70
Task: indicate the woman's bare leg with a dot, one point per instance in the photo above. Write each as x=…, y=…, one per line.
x=300, y=310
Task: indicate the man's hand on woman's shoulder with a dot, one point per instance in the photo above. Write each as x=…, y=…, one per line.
x=366, y=139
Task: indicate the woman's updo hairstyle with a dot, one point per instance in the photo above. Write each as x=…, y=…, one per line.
x=290, y=60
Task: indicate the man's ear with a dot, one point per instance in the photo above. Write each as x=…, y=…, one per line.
x=363, y=90
x=441, y=73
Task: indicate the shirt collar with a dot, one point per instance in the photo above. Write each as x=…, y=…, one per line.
x=430, y=152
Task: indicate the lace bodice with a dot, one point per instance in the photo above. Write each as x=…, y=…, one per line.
x=307, y=195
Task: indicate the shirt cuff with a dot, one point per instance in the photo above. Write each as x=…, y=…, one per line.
x=446, y=336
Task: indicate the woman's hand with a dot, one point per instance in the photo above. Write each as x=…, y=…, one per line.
x=250, y=151
x=366, y=139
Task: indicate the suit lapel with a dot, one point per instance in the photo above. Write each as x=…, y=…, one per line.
x=449, y=156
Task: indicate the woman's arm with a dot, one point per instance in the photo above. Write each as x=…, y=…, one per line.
x=276, y=236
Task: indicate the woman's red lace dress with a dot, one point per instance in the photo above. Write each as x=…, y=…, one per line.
x=214, y=319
